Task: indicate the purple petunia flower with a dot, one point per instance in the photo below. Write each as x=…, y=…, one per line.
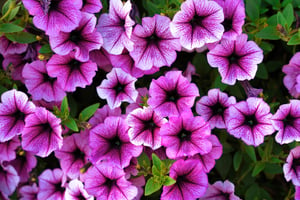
x=39, y=84
x=144, y=126
x=107, y=182
x=213, y=107
x=250, y=120
x=172, y=94
x=42, y=133
x=154, y=44
x=197, y=23
x=191, y=181
x=7, y=149
x=91, y=6
x=297, y=193
x=291, y=168
x=287, y=122
x=102, y=113
x=185, y=135
x=14, y=109
x=110, y=141
x=235, y=59
x=101, y=58
x=220, y=191
x=292, y=78
x=9, y=47
x=75, y=191
x=81, y=40
x=117, y=88
x=9, y=179
x=70, y=72
x=53, y=16
x=51, y=185
x=116, y=27
x=29, y=192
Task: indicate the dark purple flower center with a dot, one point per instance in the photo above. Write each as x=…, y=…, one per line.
x=116, y=143
x=19, y=115
x=149, y=125
x=49, y=5
x=218, y=109
x=153, y=39
x=46, y=127
x=181, y=179
x=74, y=64
x=47, y=78
x=119, y=88
x=250, y=120
x=30, y=54
x=296, y=164
x=59, y=188
x=172, y=96
x=184, y=135
x=80, y=197
x=110, y=182
x=78, y=154
x=227, y=23
x=75, y=36
x=288, y=120
x=233, y=58
x=197, y=21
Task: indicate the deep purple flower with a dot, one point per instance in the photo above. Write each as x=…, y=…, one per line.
x=172, y=94
x=91, y=6
x=81, y=40
x=107, y=182
x=53, y=16
x=9, y=47
x=250, y=120
x=292, y=78
x=197, y=23
x=236, y=59
x=7, y=149
x=9, y=179
x=297, y=193
x=70, y=72
x=287, y=122
x=291, y=168
x=101, y=58
x=29, y=192
x=220, y=191
x=39, y=84
x=102, y=113
x=191, y=181
x=144, y=126
x=110, y=141
x=154, y=44
x=42, y=133
x=51, y=185
x=75, y=191
x=14, y=108
x=249, y=90
x=185, y=135
x=116, y=27
x=213, y=107
x=117, y=88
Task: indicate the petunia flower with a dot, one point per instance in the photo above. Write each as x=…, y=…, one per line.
x=102, y=113
x=172, y=94
x=185, y=135
x=101, y=58
x=110, y=141
x=7, y=149
x=53, y=16
x=39, y=84
x=42, y=133
x=191, y=181
x=91, y=6
x=106, y=181
x=291, y=169
x=154, y=44
x=14, y=108
x=117, y=88
x=70, y=72
x=76, y=191
x=81, y=40
x=144, y=126
x=29, y=192
x=9, y=47
x=286, y=121
x=221, y=191
x=297, y=193
x=116, y=27
x=250, y=121
x=213, y=107
x=291, y=79
x=9, y=179
x=197, y=23
x=141, y=100
x=236, y=59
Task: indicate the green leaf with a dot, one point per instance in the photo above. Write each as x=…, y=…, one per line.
x=168, y=162
x=281, y=19
x=21, y=37
x=156, y=172
x=151, y=186
x=64, y=107
x=285, y=2
x=10, y=28
x=237, y=160
x=156, y=161
x=273, y=168
x=71, y=124
x=13, y=13
x=223, y=165
x=251, y=152
x=144, y=160
x=288, y=13
x=269, y=33
x=295, y=39
x=169, y=181
x=252, y=193
x=258, y=168
x=276, y=160
x=88, y=112
x=5, y=6
x=252, y=9
x=45, y=49
x=262, y=72
x=266, y=47
x=218, y=84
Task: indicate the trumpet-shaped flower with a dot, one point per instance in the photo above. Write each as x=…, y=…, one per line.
x=8, y=148
x=9, y=47
x=9, y=179
x=292, y=78
x=76, y=191
x=291, y=168
x=29, y=192
x=91, y=6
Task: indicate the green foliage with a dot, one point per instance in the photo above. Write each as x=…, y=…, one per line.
x=88, y=112
x=21, y=37
x=168, y=7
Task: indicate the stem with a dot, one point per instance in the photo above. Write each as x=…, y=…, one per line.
x=244, y=174
x=11, y=6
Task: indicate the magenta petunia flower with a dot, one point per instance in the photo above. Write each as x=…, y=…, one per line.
x=9, y=47
x=287, y=122
x=213, y=107
x=106, y=181
x=250, y=121
x=102, y=113
x=236, y=59
x=297, y=193
x=101, y=58
x=70, y=72
x=51, y=185
x=9, y=179
x=29, y=192
x=75, y=191
x=197, y=23
x=82, y=40
x=291, y=168
x=220, y=191
x=172, y=94
x=117, y=88
x=292, y=78
x=14, y=108
x=42, y=133
x=110, y=141
x=53, y=16
x=191, y=181
x=116, y=27
x=185, y=135
x=7, y=149
x=91, y=6
x=39, y=84
x=154, y=44
x=144, y=126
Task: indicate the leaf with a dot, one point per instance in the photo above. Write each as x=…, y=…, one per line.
x=223, y=165
x=13, y=13
x=251, y=152
x=71, y=124
x=5, y=6
x=288, y=13
x=45, y=49
x=156, y=172
x=258, y=168
x=144, y=160
x=252, y=193
x=156, y=161
x=269, y=33
x=262, y=72
x=21, y=37
x=237, y=160
x=151, y=186
x=273, y=168
x=295, y=39
x=64, y=107
x=218, y=84
x=10, y=28
x=281, y=19
x=88, y=112
x=252, y=9
x=169, y=181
